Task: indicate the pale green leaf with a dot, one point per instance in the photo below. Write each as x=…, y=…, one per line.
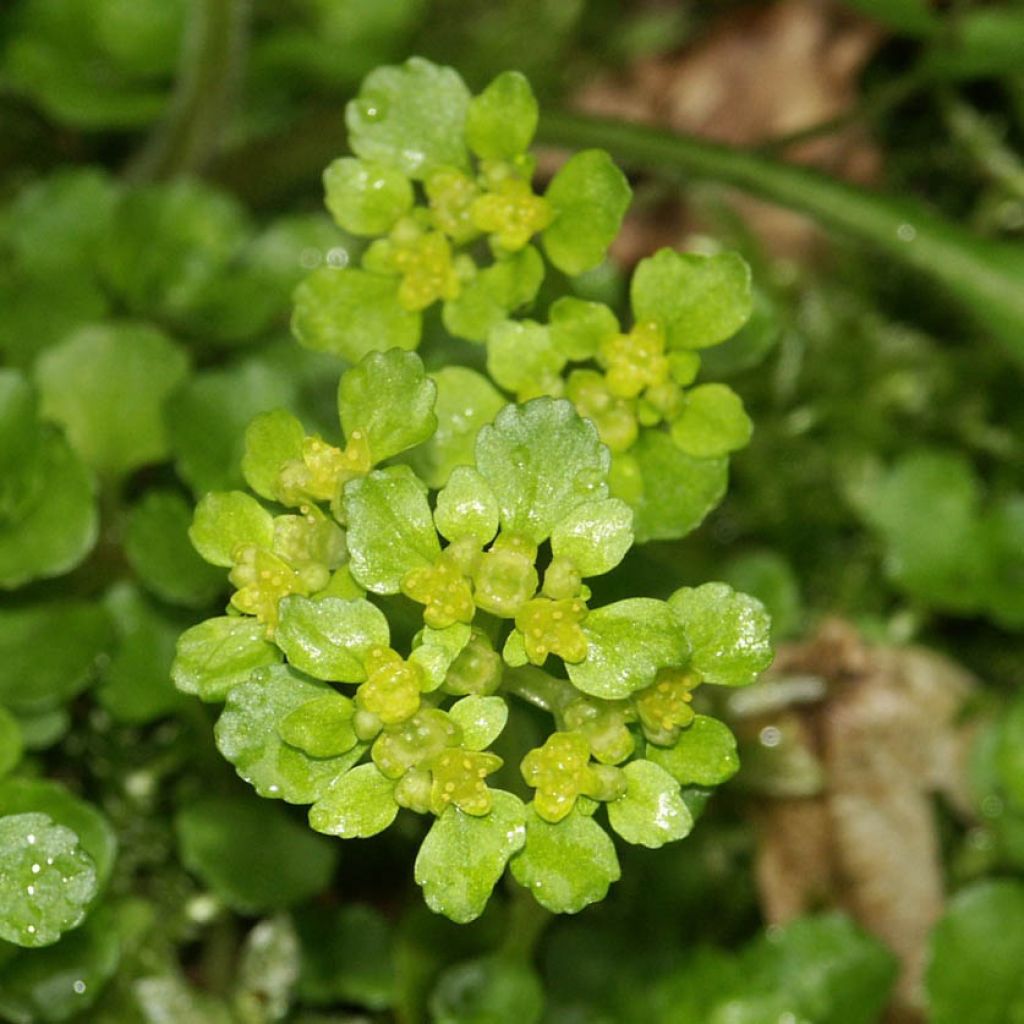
x=389, y=399
x=218, y=654
x=501, y=121
x=410, y=117
x=541, y=460
x=566, y=866
x=698, y=300
x=356, y=805
x=321, y=728
x=589, y=197
x=390, y=528
x=729, y=633
x=466, y=507
x=627, y=642
x=248, y=735
x=704, y=754
x=578, y=327
x=651, y=812
x=712, y=422
x=272, y=439
x=481, y=720
x=522, y=358
x=46, y=881
x=463, y=856
x=350, y=312
x=226, y=521
x=364, y=197
x=595, y=536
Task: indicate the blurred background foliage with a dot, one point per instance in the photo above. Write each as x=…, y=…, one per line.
x=160, y=168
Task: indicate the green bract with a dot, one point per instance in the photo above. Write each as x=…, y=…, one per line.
x=401, y=584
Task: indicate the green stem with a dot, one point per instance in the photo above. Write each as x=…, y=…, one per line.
x=211, y=59
x=538, y=688
x=985, y=277
x=527, y=920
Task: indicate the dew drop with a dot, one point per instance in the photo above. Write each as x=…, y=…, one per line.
x=30, y=839
x=30, y=889
x=36, y=868
x=373, y=108
x=31, y=929
x=49, y=861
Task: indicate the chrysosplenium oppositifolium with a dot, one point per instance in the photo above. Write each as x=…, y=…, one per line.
x=411, y=601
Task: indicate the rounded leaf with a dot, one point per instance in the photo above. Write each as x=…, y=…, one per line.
x=218, y=654
x=712, y=422
x=627, y=642
x=411, y=117
x=272, y=439
x=463, y=856
x=595, y=536
x=226, y=521
x=697, y=300
x=46, y=882
x=704, y=755
x=589, y=197
x=578, y=327
x=652, y=811
x=356, y=805
x=481, y=720
x=491, y=990
x=522, y=358
x=466, y=507
x=729, y=633
x=365, y=197
x=351, y=312
x=501, y=121
x=567, y=866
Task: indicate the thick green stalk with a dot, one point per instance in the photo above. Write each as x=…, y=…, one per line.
x=987, y=278
x=211, y=57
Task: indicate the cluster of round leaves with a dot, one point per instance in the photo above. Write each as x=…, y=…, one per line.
x=442, y=181
x=322, y=709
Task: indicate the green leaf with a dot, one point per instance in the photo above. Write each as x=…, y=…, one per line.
x=589, y=196
x=248, y=735
x=768, y=576
x=135, y=685
x=712, y=422
x=541, y=460
x=207, y=419
x=507, y=285
x=106, y=385
x=463, y=856
x=169, y=997
x=252, y=854
x=356, y=805
x=21, y=437
x=976, y=952
x=651, y=812
x=698, y=300
x=218, y=654
x=158, y=548
x=729, y=633
x=675, y=491
x=481, y=720
x=566, y=866
x=11, y=743
x=59, y=527
x=704, y=754
x=95, y=835
x=595, y=536
x=627, y=642
x=1009, y=753
x=62, y=981
x=329, y=638
x=578, y=327
x=435, y=651
x=1003, y=529
x=224, y=522
x=351, y=312
x=271, y=440
x=390, y=528
x=47, y=880
x=346, y=956
x=501, y=121
x=410, y=117
x=48, y=652
x=522, y=358
x=268, y=970
x=321, y=728
x=490, y=990
x=466, y=400
x=389, y=399
x=364, y=197
x=913, y=17
x=466, y=507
